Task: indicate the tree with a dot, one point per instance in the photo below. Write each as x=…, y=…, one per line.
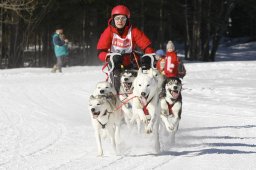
x=18, y=20
x=205, y=25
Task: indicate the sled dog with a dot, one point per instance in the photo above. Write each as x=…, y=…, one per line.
x=159, y=77
x=104, y=88
x=171, y=106
x=105, y=119
x=125, y=93
x=146, y=102
x=107, y=89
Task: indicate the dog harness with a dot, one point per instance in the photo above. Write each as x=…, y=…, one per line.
x=104, y=125
x=145, y=110
x=170, y=107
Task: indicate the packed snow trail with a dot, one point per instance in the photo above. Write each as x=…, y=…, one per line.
x=45, y=123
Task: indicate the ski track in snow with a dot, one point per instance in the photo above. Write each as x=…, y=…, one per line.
x=44, y=121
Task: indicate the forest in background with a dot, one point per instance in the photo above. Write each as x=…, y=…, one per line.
x=26, y=27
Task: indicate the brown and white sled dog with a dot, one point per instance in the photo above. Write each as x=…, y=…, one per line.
x=171, y=106
x=105, y=120
x=125, y=93
x=147, y=100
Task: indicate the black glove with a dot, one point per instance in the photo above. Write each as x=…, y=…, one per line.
x=117, y=60
x=146, y=63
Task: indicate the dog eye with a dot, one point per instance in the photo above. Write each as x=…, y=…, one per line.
x=148, y=85
x=98, y=104
x=106, y=87
x=139, y=84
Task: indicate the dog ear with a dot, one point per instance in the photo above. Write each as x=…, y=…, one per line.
x=139, y=71
x=92, y=97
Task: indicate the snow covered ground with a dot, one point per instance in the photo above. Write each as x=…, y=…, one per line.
x=45, y=124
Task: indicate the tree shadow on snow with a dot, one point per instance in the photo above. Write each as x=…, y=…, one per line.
x=205, y=152
x=194, y=152
x=184, y=141
x=217, y=127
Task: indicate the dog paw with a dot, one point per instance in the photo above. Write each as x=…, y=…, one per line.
x=149, y=129
x=144, y=119
x=170, y=128
x=100, y=154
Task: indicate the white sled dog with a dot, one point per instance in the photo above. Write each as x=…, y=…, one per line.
x=104, y=88
x=125, y=93
x=159, y=77
x=107, y=89
x=104, y=117
x=146, y=100
x=171, y=106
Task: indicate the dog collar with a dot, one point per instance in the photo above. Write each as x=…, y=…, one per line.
x=104, y=125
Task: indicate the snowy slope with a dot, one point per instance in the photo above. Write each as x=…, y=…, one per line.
x=45, y=124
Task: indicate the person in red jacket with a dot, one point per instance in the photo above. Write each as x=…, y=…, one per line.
x=122, y=37
x=171, y=61
x=160, y=63
x=174, y=66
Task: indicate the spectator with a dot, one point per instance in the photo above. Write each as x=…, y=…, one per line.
x=60, y=49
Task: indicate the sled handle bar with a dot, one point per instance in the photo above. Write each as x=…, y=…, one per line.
x=152, y=57
x=111, y=55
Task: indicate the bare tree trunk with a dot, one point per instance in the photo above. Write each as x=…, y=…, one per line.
x=161, y=25
x=188, y=35
x=45, y=46
x=196, y=31
x=35, y=51
x=1, y=36
x=206, y=28
x=83, y=41
x=16, y=46
x=142, y=16
x=40, y=49
x=223, y=18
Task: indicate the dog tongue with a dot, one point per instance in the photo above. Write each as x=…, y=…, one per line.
x=143, y=100
x=175, y=95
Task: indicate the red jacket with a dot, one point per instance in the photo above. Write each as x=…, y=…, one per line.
x=171, y=65
x=139, y=39
x=160, y=64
